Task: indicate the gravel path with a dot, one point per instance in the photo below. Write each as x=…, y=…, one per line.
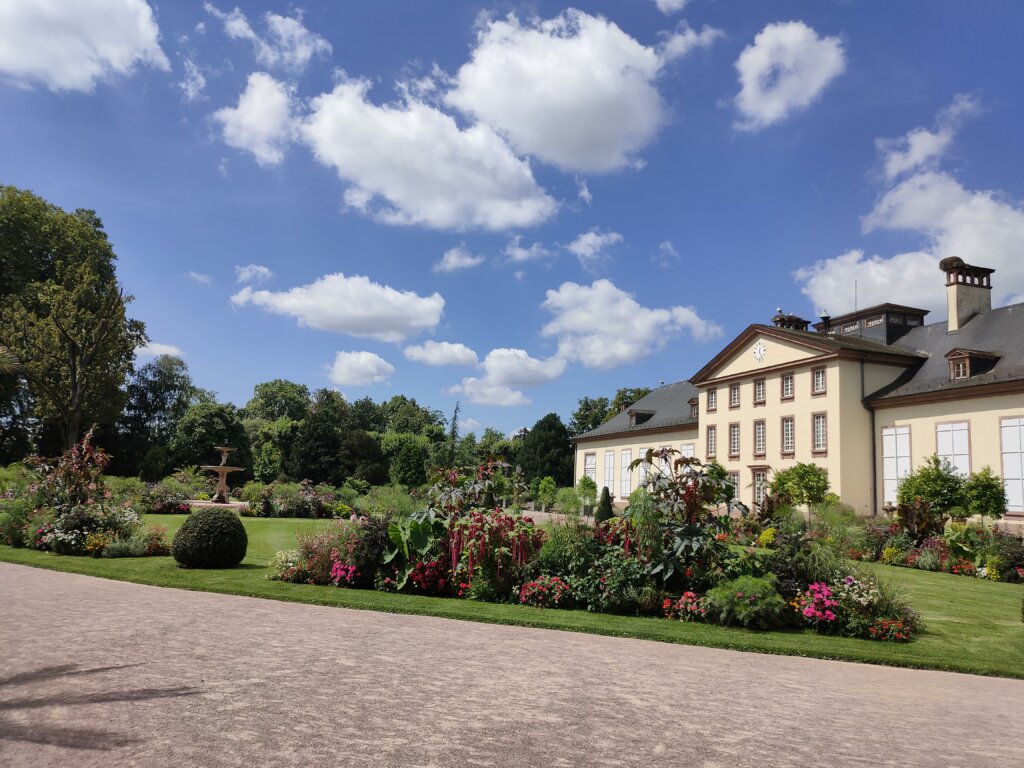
x=105, y=673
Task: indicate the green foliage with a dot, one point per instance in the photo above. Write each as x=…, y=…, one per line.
x=15, y=518
x=408, y=455
x=569, y=501
x=801, y=484
x=210, y=538
x=984, y=494
x=936, y=482
x=314, y=454
x=206, y=425
x=271, y=443
x=746, y=602
x=278, y=399
x=604, y=507
x=411, y=541
x=587, y=490
x=919, y=520
x=616, y=583
x=547, y=492
x=624, y=398
x=386, y=501
x=546, y=451
x=589, y=414
x=360, y=456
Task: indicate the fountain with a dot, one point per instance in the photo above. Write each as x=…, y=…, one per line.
x=220, y=496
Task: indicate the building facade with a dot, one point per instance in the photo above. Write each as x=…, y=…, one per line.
x=868, y=396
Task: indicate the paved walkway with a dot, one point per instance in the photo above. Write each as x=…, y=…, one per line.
x=105, y=673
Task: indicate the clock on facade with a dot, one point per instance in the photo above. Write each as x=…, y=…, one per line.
x=760, y=350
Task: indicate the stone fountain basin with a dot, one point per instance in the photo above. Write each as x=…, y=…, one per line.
x=222, y=468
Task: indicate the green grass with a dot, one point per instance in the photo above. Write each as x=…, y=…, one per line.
x=972, y=625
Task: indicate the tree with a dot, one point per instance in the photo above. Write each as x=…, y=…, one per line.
x=569, y=501
x=590, y=413
x=936, y=482
x=587, y=490
x=406, y=415
x=801, y=484
x=366, y=415
x=493, y=443
x=360, y=456
x=604, y=507
x=547, y=492
x=314, y=454
x=279, y=399
x=984, y=494
x=624, y=398
x=272, y=443
x=546, y=450
x=205, y=426
x=408, y=467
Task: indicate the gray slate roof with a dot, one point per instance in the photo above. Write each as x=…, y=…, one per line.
x=670, y=404
x=999, y=332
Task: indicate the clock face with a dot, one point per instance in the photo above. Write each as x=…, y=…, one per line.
x=760, y=350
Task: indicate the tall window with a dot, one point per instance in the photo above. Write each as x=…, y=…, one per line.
x=643, y=466
x=734, y=481
x=712, y=399
x=686, y=450
x=820, y=383
x=895, y=459
x=788, y=435
x=787, y=386
x=953, y=443
x=820, y=432
x=693, y=410
x=712, y=440
x=734, y=439
x=734, y=395
x=760, y=485
x=759, y=440
x=590, y=466
x=1012, y=436
x=666, y=462
x=626, y=478
x=609, y=471
x=759, y=392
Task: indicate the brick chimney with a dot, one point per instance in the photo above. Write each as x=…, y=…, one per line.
x=968, y=292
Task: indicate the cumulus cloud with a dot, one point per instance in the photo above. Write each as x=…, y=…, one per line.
x=457, y=258
x=921, y=147
x=784, y=70
x=193, y=83
x=155, y=349
x=602, y=326
x=437, y=353
x=262, y=122
x=72, y=46
x=591, y=248
x=286, y=45
x=359, y=369
x=505, y=371
x=409, y=163
x=253, y=273
x=686, y=39
x=354, y=305
x=574, y=91
x=199, y=277
x=515, y=251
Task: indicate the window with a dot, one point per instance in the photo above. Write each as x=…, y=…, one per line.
x=693, y=410
x=760, y=484
x=609, y=471
x=953, y=443
x=734, y=440
x=788, y=435
x=712, y=438
x=641, y=453
x=712, y=399
x=759, y=392
x=819, y=382
x=960, y=369
x=820, y=432
x=896, y=319
x=626, y=477
x=734, y=481
x=759, y=440
x=734, y=395
x=871, y=322
x=590, y=466
x=1012, y=436
x=686, y=450
x=895, y=459
x=787, y=386
x=850, y=327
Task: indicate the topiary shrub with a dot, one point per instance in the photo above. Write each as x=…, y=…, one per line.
x=210, y=538
x=604, y=507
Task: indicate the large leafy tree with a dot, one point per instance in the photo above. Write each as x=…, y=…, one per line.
x=546, y=451
x=278, y=399
x=314, y=453
x=366, y=415
x=590, y=413
x=404, y=414
x=202, y=428
x=360, y=457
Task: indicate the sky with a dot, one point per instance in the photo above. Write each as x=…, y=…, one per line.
x=516, y=205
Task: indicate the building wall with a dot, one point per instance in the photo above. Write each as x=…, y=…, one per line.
x=637, y=444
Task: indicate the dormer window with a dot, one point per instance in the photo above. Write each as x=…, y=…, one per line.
x=960, y=369
x=965, y=363
x=636, y=418
x=693, y=408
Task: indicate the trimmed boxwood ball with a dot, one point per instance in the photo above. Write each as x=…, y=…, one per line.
x=210, y=538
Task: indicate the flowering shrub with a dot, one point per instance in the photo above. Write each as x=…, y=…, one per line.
x=546, y=592
x=342, y=574
x=893, y=556
x=167, y=499
x=96, y=542
x=855, y=595
x=287, y=566
x=747, y=602
x=816, y=605
x=615, y=583
x=963, y=567
x=494, y=543
x=75, y=479
x=429, y=577
x=689, y=607
x=891, y=630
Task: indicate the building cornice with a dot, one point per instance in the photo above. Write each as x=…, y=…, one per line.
x=638, y=431
x=953, y=393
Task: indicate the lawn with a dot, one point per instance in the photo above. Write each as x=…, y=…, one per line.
x=972, y=625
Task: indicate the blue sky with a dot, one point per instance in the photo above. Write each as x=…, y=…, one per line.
x=515, y=205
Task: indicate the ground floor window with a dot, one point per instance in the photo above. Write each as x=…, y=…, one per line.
x=1012, y=437
x=590, y=466
x=609, y=471
x=895, y=459
x=626, y=478
x=734, y=481
x=953, y=443
x=760, y=485
x=643, y=467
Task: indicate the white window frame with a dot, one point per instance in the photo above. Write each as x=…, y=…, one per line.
x=643, y=467
x=734, y=440
x=590, y=466
x=759, y=391
x=819, y=381
x=734, y=395
x=626, y=476
x=1011, y=442
x=713, y=399
x=760, y=482
x=760, y=437
x=820, y=437
x=788, y=434
x=953, y=443
x=712, y=440
x=687, y=450
x=609, y=471
x=788, y=387
x=895, y=460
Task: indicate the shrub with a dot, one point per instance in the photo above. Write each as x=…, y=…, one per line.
x=167, y=497
x=747, y=602
x=689, y=607
x=604, y=507
x=587, y=490
x=210, y=538
x=817, y=606
x=286, y=566
x=15, y=519
x=801, y=484
x=936, y=482
x=615, y=583
x=920, y=519
x=127, y=490
x=148, y=543
x=984, y=494
x=385, y=501
x=546, y=592
x=569, y=501
x=927, y=560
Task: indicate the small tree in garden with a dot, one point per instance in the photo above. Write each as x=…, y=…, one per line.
x=801, y=484
x=587, y=489
x=604, y=507
x=568, y=500
x=984, y=494
x=547, y=491
x=937, y=483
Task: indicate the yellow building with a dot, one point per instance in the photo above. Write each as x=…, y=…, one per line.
x=868, y=396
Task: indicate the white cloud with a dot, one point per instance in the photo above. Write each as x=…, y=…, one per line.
x=253, y=273
x=469, y=425
x=591, y=247
x=785, y=69
x=155, y=349
x=457, y=258
x=222, y=167
x=193, y=83
x=516, y=252
x=669, y=7
x=583, y=191
x=287, y=45
x=71, y=46
x=575, y=91
x=603, y=326
x=199, y=277
x=439, y=353
x=409, y=163
x=359, y=369
x=920, y=147
x=687, y=39
x=354, y=305
x=262, y=121
x=505, y=371
x=667, y=255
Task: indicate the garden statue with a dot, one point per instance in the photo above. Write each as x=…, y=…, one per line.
x=220, y=496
